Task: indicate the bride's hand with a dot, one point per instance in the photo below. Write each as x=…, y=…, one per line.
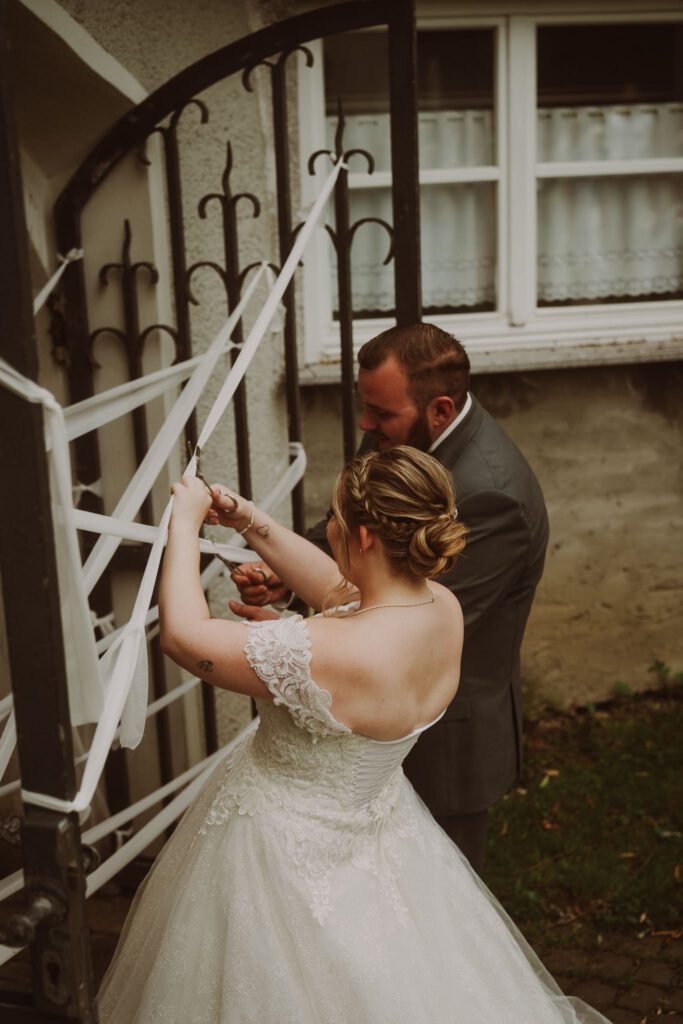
x=227, y=508
x=191, y=501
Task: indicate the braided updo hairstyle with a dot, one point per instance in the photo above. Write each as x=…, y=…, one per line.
x=405, y=497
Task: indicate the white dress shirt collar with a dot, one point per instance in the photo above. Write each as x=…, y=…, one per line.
x=451, y=426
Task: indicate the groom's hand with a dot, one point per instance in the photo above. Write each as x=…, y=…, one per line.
x=258, y=585
x=247, y=611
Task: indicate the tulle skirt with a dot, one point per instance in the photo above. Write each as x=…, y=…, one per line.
x=222, y=932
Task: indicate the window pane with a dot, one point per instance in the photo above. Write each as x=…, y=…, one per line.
x=458, y=250
x=610, y=239
x=610, y=91
x=455, y=95
x=456, y=128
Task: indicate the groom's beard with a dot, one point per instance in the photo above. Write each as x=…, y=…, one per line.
x=418, y=435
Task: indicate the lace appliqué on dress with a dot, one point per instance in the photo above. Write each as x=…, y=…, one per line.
x=298, y=771
x=280, y=654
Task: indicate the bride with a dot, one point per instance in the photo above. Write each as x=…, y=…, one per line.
x=309, y=884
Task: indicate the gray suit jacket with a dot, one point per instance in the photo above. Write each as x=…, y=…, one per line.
x=467, y=760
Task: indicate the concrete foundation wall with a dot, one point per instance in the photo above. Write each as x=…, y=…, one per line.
x=606, y=446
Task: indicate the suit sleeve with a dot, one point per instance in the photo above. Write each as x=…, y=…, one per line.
x=495, y=553
x=318, y=536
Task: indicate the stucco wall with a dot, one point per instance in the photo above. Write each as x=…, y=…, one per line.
x=606, y=446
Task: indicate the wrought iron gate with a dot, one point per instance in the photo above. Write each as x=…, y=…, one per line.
x=62, y=978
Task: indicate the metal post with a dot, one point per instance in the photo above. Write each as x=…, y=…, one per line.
x=284, y=221
x=404, y=161
x=54, y=922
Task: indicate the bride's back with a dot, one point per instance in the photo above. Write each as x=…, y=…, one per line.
x=392, y=665
x=390, y=670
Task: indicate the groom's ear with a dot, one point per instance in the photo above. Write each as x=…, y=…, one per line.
x=440, y=412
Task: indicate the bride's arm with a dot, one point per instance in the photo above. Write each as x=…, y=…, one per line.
x=302, y=567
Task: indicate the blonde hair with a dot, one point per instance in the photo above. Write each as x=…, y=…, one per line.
x=404, y=496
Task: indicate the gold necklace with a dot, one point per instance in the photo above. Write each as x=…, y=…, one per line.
x=372, y=607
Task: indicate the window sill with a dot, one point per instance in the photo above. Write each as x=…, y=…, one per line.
x=552, y=342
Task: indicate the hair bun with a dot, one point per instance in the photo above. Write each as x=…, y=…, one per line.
x=435, y=545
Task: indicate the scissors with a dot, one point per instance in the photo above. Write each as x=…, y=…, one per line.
x=232, y=566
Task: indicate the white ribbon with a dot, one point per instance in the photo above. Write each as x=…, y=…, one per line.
x=140, y=484
x=94, y=412
x=125, y=663
x=284, y=486
x=93, y=522
x=152, y=709
x=7, y=742
x=41, y=297
x=83, y=675
x=147, y=834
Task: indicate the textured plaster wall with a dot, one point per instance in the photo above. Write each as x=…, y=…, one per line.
x=606, y=446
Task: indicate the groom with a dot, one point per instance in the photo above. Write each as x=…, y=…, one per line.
x=413, y=384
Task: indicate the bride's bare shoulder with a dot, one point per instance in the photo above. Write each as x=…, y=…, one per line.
x=446, y=598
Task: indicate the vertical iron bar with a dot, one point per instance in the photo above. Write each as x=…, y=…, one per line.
x=284, y=221
x=178, y=258
x=231, y=249
x=183, y=351
x=343, y=247
x=61, y=967
x=405, y=161
x=141, y=444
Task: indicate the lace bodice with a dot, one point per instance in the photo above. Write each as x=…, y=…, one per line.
x=326, y=788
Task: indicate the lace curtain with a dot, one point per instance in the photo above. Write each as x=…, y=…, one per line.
x=598, y=238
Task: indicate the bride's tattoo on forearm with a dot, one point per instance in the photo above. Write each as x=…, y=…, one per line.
x=263, y=531
x=205, y=666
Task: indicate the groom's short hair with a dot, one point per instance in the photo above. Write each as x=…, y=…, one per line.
x=435, y=362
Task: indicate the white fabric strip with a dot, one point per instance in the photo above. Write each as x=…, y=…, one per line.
x=285, y=485
x=42, y=296
x=94, y=412
x=86, y=693
x=125, y=663
x=152, y=709
x=269, y=309
x=7, y=743
x=140, y=484
x=151, y=831
x=93, y=522
x=5, y=705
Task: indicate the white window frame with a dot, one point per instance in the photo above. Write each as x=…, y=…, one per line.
x=519, y=334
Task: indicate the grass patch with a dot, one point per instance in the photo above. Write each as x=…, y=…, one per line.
x=593, y=839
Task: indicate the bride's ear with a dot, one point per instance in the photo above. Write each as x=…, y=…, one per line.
x=366, y=539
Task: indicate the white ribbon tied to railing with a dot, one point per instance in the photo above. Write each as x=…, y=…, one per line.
x=42, y=296
x=125, y=663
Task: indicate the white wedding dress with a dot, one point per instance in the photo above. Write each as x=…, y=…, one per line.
x=310, y=885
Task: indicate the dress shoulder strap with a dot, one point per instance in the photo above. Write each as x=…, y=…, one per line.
x=279, y=651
